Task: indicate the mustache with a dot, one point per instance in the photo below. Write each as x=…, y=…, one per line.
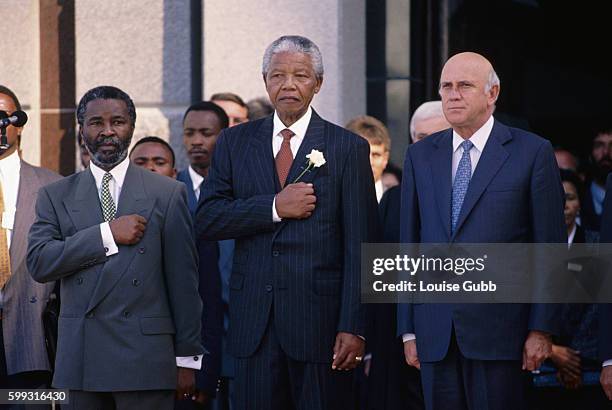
x=115, y=141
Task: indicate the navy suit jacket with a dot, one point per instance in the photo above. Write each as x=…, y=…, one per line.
x=515, y=195
x=307, y=271
x=605, y=316
x=212, y=309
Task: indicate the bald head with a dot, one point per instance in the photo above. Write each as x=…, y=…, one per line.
x=469, y=88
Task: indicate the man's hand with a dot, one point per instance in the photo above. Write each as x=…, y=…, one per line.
x=185, y=386
x=569, y=380
x=296, y=201
x=568, y=363
x=128, y=229
x=606, y=381
x=538, y=347
x=410, y=353
x=348, y=351
x=202, y=398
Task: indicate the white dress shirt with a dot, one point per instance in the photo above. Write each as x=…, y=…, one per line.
x=196, y=180
x=299, y=128
x=10, y=168
x=479, y=139
x=380, y=190
x=115, y=185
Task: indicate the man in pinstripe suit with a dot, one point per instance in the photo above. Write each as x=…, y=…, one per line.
x=295, y=316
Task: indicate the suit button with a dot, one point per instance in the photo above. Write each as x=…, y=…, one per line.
x=89, y=315
x=268, y=288
x=33, y=299
x=80, y=281
x=141, y=250
x=275, y=253
x=126, y=313
x=135, y=282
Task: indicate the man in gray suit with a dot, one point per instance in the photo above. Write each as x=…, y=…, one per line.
x=130, y=313
x=23, y=355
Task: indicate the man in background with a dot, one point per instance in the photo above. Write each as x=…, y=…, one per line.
x=599, y=168
x=259, y=108
x=377, y=136
x=24, y=360
x=234, y=107
x=154, y=154
x=427, y=119
x=202, y=123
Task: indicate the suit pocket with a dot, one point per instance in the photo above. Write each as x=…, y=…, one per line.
x=156, y=325
x=236, y=281
x=328, y=287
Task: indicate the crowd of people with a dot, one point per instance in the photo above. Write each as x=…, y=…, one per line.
x=235, y=283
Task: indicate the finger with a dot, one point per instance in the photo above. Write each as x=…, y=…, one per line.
x=337, y=346
x=140, y=218
x=350, y=362
x=309, y=208
x=418, y=364
x=340, y=357
x=310, y=199
x=524, y=366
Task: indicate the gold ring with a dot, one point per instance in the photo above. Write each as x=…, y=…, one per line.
x=358, y=358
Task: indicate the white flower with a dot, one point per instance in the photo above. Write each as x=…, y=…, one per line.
x=316, y=158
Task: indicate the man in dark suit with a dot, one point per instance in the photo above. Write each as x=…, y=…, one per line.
x=24, y=361
x=600, y=165
x=471, y=356
x=130, y=307
x=202, y=124
x=295, y=312
x=605, y=312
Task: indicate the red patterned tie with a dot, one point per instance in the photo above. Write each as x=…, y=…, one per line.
x=284, y=158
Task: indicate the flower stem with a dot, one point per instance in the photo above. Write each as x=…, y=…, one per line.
x=310, y=164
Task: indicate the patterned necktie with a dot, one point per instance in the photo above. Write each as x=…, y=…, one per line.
x=5, y=257
x=461, y=182
x=284, y=158
x=108, y=205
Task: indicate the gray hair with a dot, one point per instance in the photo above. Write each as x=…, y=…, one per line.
x=294, y=44
x=427, y=110
x=492, y=81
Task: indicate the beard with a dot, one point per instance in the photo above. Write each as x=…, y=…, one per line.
x=110, y=159
x=601, y=169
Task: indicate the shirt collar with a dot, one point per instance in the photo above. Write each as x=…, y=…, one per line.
x=196, y=179
x=118, y=172
x=298, y=128
x=9, y=164
x=479, y=139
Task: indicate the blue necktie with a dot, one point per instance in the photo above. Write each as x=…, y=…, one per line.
x=461, y=182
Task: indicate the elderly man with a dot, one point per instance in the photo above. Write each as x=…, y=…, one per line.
x=295, y=312
x=478, y=182
x=427, y=119
x=120, y=240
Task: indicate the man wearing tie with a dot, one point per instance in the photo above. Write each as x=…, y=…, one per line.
x=24, y=362
x=479, y=182
x=295, y=312
x=120, y=239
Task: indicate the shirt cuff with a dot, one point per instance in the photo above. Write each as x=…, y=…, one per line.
x=275, y=217
x=190, y=362
x=607, y=363
x=406, y=337
x=110, y=247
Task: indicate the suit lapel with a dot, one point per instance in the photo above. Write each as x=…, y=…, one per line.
x=314, y=139
x=492, y=158
x=441, y=171
x=261, y=162
x=84, y=207
x=132, y=200
x=24, y=215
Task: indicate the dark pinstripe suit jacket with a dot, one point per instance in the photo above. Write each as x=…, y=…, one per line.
x=307, y=271
x=515, y=195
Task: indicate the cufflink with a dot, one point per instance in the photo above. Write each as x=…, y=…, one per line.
x=196, y=358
